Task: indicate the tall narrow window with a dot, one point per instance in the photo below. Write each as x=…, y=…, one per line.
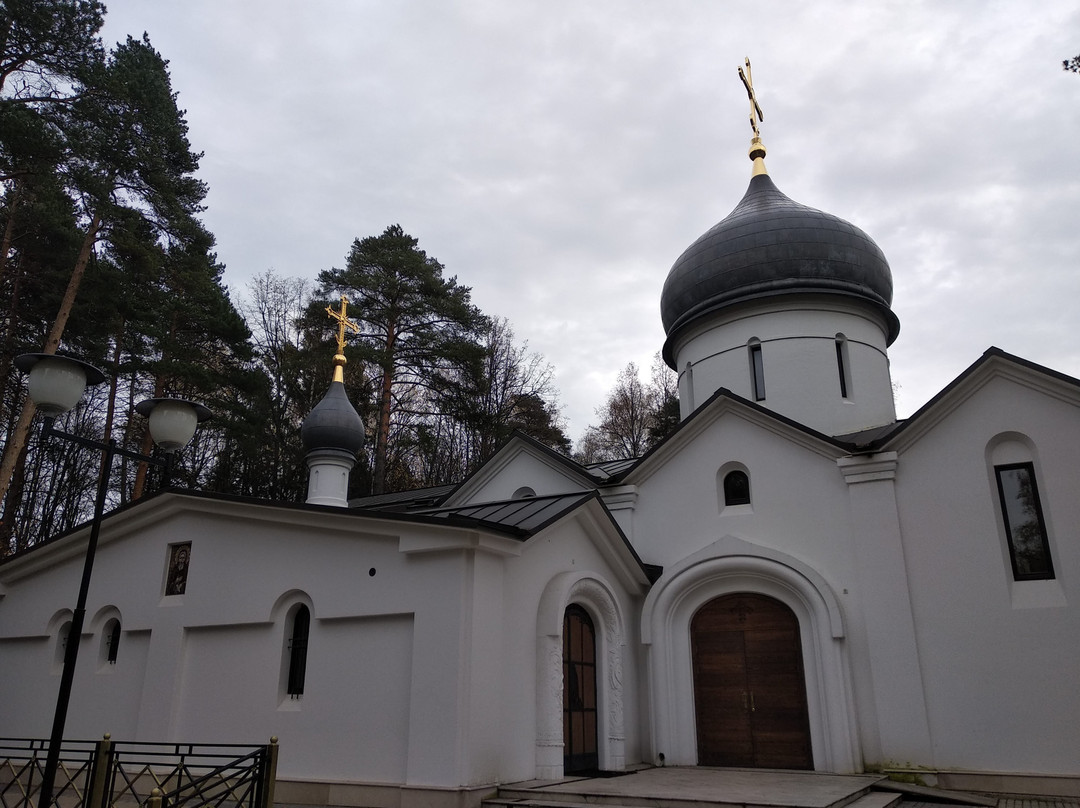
x=687, y=382
x=112, y=641
x=298, y=643
x=757, y=370
x=1025, y=529
x=580, y=748
x=61, y=646
x=842, y=366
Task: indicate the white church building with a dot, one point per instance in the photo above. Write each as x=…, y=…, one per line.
x=794, y=579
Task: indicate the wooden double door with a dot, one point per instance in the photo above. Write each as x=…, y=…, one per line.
x=749, y=686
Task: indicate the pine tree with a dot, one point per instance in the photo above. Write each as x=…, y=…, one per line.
x=417, y=328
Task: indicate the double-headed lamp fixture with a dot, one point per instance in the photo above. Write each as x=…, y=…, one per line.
x=56, y=383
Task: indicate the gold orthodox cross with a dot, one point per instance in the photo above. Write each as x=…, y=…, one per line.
x=755, y=109
x=343, y=323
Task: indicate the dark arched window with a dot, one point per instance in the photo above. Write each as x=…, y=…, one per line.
x=112, y=641
x=62, y=637
x=580, y=748
x=298, y=643
x=736, y=488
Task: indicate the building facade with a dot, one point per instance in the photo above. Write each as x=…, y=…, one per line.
x=793, y=579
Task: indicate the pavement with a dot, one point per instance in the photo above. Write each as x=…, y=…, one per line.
x=703, y=787
x=681, y=787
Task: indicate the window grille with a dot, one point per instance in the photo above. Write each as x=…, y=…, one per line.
x=298, y=644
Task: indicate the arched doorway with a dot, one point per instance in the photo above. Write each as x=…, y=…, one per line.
x=579, y=692
x=749, y=687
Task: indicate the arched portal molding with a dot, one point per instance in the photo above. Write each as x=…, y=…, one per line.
x=102, y=616
x=597, y=597
x=733, y=565
x=58, y=619
x=286, y=601
x=732, y=555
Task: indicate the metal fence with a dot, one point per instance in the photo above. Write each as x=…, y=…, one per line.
x=122, y=774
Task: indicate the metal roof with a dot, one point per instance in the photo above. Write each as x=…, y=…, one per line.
x=404, y=500
x=526, y=516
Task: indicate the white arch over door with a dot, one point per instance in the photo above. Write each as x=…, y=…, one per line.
x=597, y=597
x=732, y=565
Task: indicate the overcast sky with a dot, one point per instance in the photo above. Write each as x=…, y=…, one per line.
x=558, y=155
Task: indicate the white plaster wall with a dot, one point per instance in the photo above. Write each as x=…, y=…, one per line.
x=422, y=673
x=798, y=346
x=801, y=507
x=29, y=661
x=388, y=692
x=1000, y=658
x=799, y=500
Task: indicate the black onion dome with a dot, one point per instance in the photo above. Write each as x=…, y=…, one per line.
x=333, y=423
x=771, y=245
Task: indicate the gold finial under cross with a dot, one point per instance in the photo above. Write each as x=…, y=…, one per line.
x=757, y=148
x=343, y=323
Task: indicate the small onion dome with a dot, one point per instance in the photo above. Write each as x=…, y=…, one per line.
x=333, y=423
x=771, y=245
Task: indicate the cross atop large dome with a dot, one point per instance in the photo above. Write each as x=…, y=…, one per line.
x=784, y=305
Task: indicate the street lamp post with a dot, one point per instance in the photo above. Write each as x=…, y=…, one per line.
x=56, y=384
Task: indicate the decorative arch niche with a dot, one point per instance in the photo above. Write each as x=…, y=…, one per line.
x=596, y=597
x=729, y=566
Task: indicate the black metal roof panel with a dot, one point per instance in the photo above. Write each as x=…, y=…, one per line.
x=771, y=245
x=610, y=468
x=405, y=500
x=526, y=516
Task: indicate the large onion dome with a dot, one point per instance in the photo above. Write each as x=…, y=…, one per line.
x=768, y=246
x=333, y=423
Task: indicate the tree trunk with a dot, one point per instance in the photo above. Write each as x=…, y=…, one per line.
x=114, y=381
x=382, y=435
x=9, y=230
x=159, y=390
x=17, y=439
x=52, y=342
x=9, y=542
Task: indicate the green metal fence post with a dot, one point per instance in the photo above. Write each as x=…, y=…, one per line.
x=270, y=774
x=99, y=774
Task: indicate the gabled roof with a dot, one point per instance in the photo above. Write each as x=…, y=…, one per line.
x=517, y=443
x=615, y=472
x=994, y=362
x=166, y=502
x=700, y=417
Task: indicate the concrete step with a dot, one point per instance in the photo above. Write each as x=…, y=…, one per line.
x=877, y=799
x=915, y=793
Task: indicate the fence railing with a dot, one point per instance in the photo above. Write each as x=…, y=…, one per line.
x=121, y=774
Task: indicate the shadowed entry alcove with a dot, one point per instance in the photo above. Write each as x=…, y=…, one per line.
x=579, y=692
x=749, y=686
